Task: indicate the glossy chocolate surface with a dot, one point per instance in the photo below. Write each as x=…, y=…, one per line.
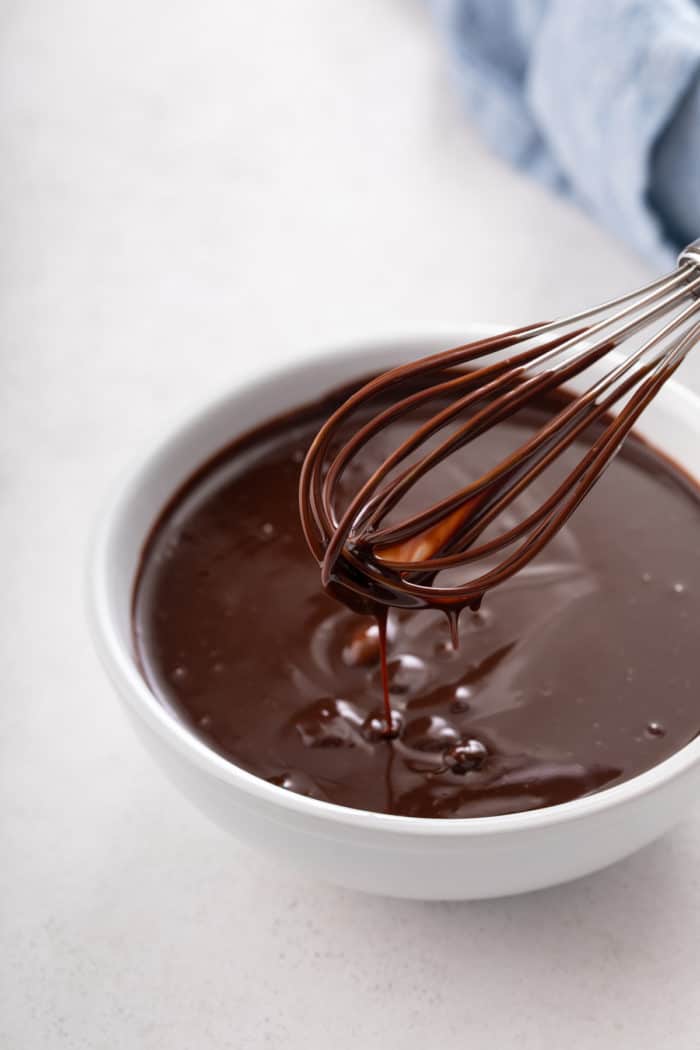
x=578, y=673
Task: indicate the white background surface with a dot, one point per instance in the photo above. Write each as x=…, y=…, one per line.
x=188, y=189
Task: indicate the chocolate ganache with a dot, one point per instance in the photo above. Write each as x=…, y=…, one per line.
x=576, y=674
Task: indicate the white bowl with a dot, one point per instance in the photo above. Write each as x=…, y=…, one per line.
x=393, y=855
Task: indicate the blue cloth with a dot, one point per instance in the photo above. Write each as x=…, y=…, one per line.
x=599, y=99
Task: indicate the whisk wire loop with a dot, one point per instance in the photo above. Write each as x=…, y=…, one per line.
x=476, y=387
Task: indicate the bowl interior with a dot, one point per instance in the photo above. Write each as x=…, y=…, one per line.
x=671, y=424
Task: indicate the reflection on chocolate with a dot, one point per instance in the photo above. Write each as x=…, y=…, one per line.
x=578, y=673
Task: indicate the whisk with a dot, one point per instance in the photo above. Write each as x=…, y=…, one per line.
x=372, y=563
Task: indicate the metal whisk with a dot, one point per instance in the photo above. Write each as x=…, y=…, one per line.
x=374, y=564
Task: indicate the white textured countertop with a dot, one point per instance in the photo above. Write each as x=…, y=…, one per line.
x=186, y=188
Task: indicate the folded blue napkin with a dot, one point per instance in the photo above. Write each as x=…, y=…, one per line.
x=600, y=99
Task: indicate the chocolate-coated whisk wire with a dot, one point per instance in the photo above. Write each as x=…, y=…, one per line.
x=477, y=388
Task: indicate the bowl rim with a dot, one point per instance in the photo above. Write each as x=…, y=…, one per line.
x=122, y=669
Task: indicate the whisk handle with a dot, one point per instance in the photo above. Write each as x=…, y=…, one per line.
x=690, y=254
